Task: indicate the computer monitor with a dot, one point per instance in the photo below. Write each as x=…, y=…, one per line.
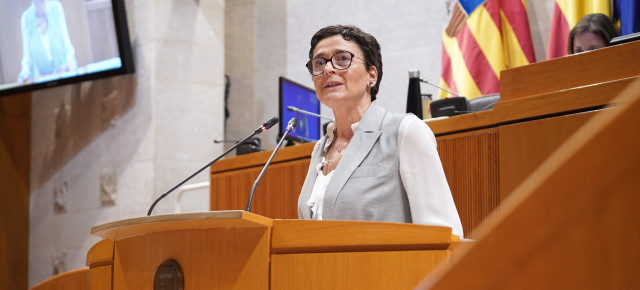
x=304, y=98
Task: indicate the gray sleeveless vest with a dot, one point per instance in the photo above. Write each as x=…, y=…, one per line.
x=366, y=184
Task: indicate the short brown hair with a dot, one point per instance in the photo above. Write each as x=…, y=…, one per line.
x=367, y=43
x=598, y=24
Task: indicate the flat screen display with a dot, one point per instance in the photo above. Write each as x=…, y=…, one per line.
x=53, y=42
x=304, y=98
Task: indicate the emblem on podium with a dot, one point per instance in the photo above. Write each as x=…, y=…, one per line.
x=168, y=276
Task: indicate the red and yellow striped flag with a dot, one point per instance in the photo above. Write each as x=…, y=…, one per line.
x=566, y=14
x=494, y=37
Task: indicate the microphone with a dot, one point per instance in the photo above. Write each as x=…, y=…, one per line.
x=264, y=127
x=439, y=87
x=294, y=109
x=488, y=105
x=290, y=126
x=268, y=124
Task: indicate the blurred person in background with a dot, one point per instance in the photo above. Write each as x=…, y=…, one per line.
x=592, y=32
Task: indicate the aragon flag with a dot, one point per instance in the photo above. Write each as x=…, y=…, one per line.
x=481, y=39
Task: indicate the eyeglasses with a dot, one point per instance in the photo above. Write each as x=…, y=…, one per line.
x=340, y=61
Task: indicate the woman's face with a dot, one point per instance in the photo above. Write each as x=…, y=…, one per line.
x=587, y=41
x=336, y=88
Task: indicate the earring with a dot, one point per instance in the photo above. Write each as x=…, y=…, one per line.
x=371, y=84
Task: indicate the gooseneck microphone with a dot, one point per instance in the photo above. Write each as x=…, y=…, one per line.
x=290, y=126
x=439, y=87
x=294, y=109
x=225, y=141
x=264, y=127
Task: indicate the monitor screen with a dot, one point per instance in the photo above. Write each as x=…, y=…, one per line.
x=303, y=98
x=47, y=43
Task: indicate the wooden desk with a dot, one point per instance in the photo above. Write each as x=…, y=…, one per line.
x=573, y=223
x=486, y=155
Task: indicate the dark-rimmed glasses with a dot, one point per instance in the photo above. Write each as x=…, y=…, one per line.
x=340, y=60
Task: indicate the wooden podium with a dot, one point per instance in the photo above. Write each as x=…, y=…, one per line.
x=243, y=250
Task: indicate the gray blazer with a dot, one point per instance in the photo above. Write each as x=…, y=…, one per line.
x=366, y=184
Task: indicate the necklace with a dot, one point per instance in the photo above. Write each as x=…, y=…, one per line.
x=339, y=148
x=334, y=156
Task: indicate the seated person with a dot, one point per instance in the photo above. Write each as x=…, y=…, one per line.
x=592, y=32
x=373, y=165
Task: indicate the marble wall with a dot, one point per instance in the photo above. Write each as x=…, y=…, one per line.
x=266, y=39
x=104, y=150
x=255, y=56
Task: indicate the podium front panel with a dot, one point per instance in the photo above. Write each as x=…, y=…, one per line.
x=353, y=270
x=227, y=258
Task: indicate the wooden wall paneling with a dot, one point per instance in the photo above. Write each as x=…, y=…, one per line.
x=353, y=270
x=470, y=162
x=15, y=160
x=524, y=146
x=230, y=190
x=593, y=67
x=573, y=224
x=275, y=197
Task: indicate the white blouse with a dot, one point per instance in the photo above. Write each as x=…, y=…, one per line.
x=421, y=172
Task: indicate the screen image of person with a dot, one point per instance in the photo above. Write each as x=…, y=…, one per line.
x=46, y=47
x=373, y=165
x=593, y=31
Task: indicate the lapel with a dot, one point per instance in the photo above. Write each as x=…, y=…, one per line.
x=310, y=181
x=364, y=138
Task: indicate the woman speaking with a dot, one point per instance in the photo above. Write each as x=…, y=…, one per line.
x=373, y=165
